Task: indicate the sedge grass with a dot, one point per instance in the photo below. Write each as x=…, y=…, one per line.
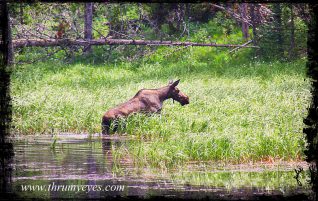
x=237, y=112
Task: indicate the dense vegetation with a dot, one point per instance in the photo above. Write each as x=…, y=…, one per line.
x=279, y=29
x=238, y=112
x=243, y=106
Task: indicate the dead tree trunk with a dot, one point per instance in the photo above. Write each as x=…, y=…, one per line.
x=292, y=33
x=253, y=22
x=243, y=9
x=110, y=41
x=88, y=25
x=21, y=14
x=278, y=26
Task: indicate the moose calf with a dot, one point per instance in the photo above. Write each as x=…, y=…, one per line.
x=146, y=101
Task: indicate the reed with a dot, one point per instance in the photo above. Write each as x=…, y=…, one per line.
x=238, y=111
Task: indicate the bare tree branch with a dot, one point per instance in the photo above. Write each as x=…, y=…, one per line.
x=243, y=45
x=233, y=14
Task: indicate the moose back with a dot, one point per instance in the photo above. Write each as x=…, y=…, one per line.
x=145, y=101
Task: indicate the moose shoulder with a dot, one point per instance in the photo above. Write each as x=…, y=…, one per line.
x=147, y=101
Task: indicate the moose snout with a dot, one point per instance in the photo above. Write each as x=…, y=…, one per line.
x=184, y=101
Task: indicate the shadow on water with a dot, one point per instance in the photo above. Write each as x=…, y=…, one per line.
x=82, y=166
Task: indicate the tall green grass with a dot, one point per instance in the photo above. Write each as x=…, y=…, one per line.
x=238, y=112
x=240, y=109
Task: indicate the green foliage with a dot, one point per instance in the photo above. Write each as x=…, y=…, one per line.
x=237, y=112
x=241, y=109
x=132, y=12
x=269, y=33
x=101, y=29
x=186, y=22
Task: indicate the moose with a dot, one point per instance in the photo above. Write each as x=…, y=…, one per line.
x=145, y=101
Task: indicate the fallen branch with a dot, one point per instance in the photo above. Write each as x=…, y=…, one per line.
x=243, y=45
x=240, y=18
x=110, y=41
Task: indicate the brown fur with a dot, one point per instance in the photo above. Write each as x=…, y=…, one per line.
x=146, y=101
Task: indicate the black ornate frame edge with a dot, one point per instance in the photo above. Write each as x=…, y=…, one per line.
x=311, y=121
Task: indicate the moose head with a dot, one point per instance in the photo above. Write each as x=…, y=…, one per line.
x=176, y=94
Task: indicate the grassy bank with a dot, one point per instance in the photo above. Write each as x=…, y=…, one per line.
x=237, y=112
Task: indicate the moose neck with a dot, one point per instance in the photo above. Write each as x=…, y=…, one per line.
x=163, y=93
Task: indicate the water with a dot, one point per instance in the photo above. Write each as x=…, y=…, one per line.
x=79, y=160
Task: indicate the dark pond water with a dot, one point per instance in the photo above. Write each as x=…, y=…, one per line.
x=82, y=166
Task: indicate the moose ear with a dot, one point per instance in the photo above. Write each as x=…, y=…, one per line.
x=175, y=83
x=170, y=82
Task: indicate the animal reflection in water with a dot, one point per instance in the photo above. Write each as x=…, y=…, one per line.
x=145, y=101
x=107, y=149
